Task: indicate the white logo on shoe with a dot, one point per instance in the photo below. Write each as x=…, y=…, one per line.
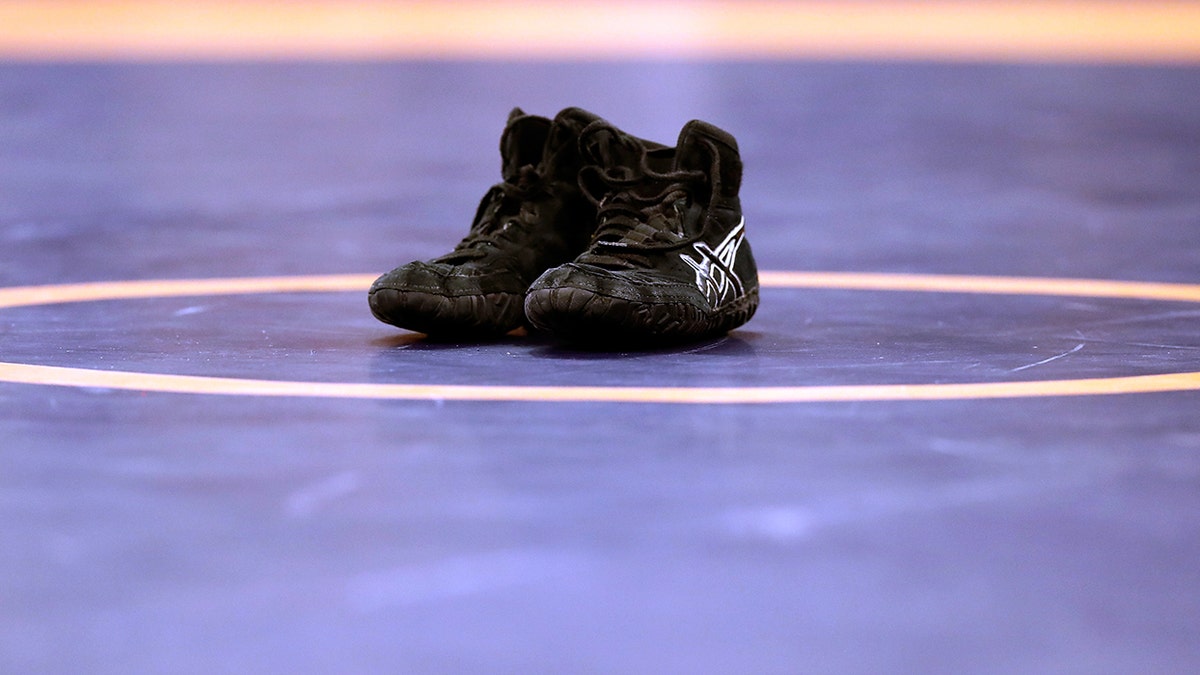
x=714, y=268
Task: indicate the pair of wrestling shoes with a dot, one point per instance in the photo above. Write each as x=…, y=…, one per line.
x=594, y=236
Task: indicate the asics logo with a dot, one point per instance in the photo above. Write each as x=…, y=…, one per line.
x=714, y=267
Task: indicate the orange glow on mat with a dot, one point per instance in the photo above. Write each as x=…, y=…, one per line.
x=197, y=384
x=939, y=30
x=22, y=296
x=227, y=386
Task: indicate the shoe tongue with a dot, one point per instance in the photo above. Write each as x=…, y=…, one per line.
x=615, y=161
x=615, y=153
x=560, y=158
x=522, y=143
x=564, y=130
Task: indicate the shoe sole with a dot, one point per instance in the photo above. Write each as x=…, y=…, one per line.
x=587, y=318
x=467, y=316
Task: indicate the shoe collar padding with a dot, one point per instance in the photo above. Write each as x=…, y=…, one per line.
x=704, y=147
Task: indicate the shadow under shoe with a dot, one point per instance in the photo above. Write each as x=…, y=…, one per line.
x=535, y=219
x=669, y=262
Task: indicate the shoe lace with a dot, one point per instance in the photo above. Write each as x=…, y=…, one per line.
x=512, y=203
x=639, y=209
x=640, y=213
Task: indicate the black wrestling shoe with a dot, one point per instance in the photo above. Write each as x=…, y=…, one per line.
x=669, y=261
x=535, y=219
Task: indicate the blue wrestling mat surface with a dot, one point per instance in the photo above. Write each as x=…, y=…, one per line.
x=960, y=436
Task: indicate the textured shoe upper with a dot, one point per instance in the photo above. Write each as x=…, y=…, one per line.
x=536, y=217
x=667, y=216
x=669, y=261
